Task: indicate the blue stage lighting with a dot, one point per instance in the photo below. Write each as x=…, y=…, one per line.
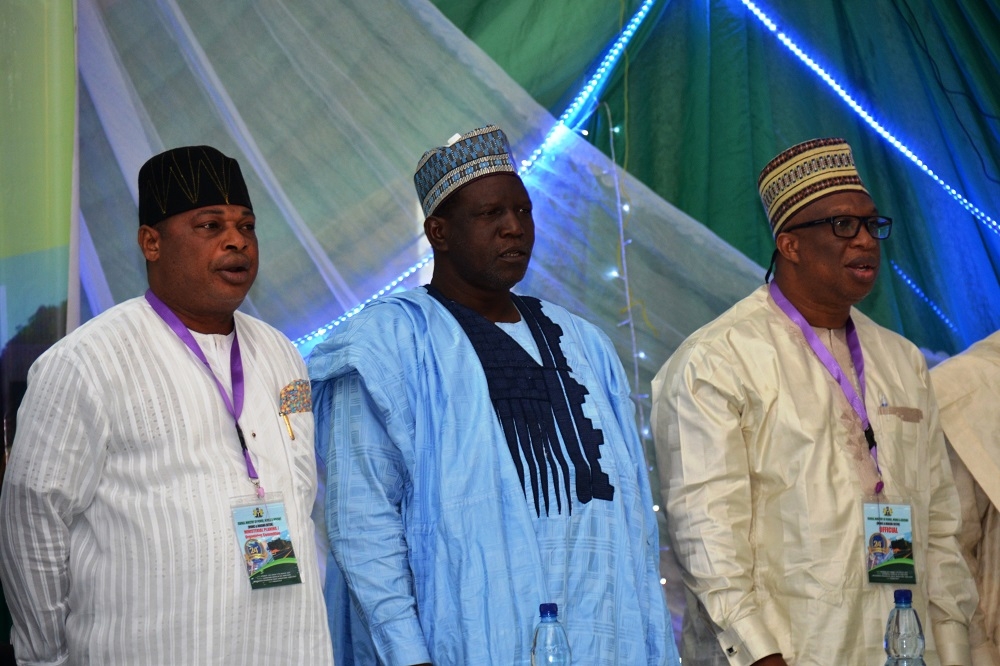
x=579, y=109
x=919, y=292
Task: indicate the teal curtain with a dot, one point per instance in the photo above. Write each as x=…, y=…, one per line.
x=708, y=95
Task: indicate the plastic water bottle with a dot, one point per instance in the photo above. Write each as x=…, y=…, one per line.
x=550, y=645
x=904, y=638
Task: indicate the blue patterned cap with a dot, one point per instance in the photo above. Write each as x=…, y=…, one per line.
x=442, y=171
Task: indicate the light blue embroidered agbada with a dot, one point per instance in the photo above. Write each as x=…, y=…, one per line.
x=444, y=555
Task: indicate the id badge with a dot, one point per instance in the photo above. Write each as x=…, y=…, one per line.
x=889, y=542
x=265, y=542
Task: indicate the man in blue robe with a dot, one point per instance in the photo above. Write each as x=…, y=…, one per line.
x=482, y=453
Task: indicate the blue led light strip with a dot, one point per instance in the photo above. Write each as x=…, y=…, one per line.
x=980, y=215
x=919, y=292
x=320, y=332
x=582, y=106
x=586, y=100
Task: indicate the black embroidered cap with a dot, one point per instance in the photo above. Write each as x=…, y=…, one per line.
x=189, y=177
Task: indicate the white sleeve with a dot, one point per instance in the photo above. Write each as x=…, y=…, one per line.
x=54, y=470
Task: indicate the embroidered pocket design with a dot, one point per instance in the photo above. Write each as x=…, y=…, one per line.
x=295, y=398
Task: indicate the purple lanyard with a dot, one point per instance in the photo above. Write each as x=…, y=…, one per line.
x=831, y=364
x=235, y=368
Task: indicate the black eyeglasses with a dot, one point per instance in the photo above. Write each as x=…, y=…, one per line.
x=848, y=226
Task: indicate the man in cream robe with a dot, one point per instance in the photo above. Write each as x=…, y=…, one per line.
x=770, y=499
x=968, y=392
x=766, y=422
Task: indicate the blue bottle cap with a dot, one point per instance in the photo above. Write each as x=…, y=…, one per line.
x=552, y=610
x=904, y=597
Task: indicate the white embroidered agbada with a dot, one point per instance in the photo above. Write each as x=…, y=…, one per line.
x=116, y=533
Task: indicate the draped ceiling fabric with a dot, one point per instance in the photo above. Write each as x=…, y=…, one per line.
x=709, y=96
x=329, y=106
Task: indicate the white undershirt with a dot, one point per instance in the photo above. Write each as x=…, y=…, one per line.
x=521, y=333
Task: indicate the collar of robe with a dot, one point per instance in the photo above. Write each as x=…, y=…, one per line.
x=539, y=407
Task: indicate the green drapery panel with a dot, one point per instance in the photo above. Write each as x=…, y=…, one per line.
x=708, y=96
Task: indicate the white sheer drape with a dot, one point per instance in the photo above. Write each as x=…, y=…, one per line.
x=328, y=106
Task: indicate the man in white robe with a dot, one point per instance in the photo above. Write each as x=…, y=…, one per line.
x=143, y=435
x=968, y=392
x=782, y=423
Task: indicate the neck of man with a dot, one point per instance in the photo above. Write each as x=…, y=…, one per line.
x=496, y=306
x=816, y=313
x=199, y=322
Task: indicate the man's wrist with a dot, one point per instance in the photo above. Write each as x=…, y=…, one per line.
x=771, y=660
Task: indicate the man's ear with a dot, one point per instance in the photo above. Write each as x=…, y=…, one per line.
x=788, y=247
x=436, y=230
x=149, y=242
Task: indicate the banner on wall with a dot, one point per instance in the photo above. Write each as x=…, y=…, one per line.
x=39, y=283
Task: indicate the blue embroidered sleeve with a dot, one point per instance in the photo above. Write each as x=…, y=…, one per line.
x=366, y=480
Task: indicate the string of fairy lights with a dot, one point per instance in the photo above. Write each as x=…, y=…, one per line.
x=586, y=100
x=911, y=283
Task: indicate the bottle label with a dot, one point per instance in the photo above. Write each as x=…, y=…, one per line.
x=889, y=543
